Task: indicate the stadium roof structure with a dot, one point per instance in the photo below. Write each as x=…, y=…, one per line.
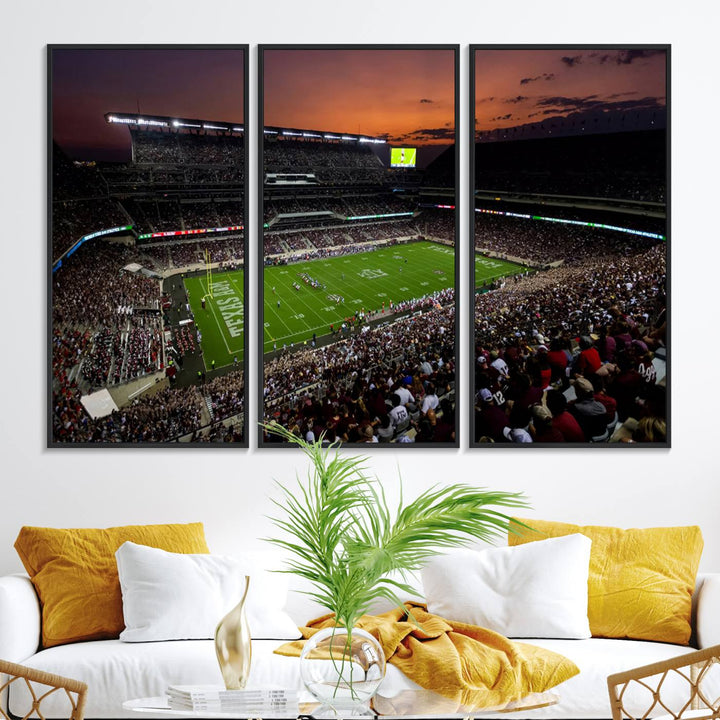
x=176, y=124
x=144, y=121
x=319, y=135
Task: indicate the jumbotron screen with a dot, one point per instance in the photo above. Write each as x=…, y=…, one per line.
x=403, y=157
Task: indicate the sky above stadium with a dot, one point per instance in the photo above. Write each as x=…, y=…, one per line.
x=567, y=90
x=87, y=83
x=406, y=95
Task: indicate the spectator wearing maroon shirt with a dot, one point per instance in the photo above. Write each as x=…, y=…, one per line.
x=588, y=361
x=601, y=396
x=522, y=393
x=558, y=359
x=562, y=419
x=542, y=428
x=490, y=420
x=625, y=387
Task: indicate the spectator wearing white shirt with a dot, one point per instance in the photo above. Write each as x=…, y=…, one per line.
x=430, y=401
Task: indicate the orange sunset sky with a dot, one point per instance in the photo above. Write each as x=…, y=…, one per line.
x=408, y=95
x=517, y=87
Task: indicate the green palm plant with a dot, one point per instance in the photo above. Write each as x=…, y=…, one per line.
x=344, y=538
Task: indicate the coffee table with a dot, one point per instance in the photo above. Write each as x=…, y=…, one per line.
x=406, y=705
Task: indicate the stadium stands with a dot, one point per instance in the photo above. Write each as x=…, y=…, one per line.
x=109, y=325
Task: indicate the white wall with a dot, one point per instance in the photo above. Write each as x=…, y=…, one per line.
x=227, y=489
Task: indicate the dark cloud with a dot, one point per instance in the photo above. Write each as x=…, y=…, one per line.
x=568, y=103
x=558, y=103
x=571, y=61
x=602, y=59
x=544, y=76
x=622, y=94
x=503, y=117
x=627, y=57
x=443, y=133
x=517, y=99
x=426, y=100
x=485, y=99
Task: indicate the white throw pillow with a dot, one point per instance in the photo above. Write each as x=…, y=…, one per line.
x=537, y=590
x=176, y=596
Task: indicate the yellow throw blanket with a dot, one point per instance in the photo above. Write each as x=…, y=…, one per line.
x=466, y=664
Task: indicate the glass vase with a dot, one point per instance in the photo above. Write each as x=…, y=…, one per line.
x=342, y=670
x=233, y=645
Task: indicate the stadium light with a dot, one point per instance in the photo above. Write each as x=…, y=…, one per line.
x=293, y=134
x=563, y=221
x=348, y=137
x=238, y=129
x=332, y=137
x=270, y=132
x=158, y=123
x=213, y=127
x=307, y=134
x=383, y=215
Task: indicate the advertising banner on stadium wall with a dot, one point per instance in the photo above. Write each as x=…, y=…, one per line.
x=569, y=246
x=358, y=270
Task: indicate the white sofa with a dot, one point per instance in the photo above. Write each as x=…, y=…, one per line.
x=116, y=671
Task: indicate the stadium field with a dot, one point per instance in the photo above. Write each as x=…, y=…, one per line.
x=365, y=281
x=221, y=322
x=488, y=269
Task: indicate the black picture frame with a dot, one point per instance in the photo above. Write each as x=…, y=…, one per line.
x=571, y=50
x=169, y=436
x=263, y=442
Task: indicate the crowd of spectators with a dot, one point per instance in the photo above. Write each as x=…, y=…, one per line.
x=346, y=389
x=438, y=224
x=168, y=415
x=542, y=243
x=581, y=335
x=347, y=164
x=345, y=238
x=612, y=165
x=163, y=148
x=226, y=395
x=611, y=185
x=73, y=219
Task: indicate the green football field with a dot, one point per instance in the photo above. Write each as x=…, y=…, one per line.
x=364, y=282
x=221, y=323
x=489, y=269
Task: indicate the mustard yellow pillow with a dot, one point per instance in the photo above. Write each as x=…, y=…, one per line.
x=641, y=581
x=75, y=574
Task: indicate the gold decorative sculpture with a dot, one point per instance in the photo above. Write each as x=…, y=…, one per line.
x=233, y=646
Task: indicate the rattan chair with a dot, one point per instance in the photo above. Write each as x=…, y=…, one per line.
x=694, y=676
x=41, y=685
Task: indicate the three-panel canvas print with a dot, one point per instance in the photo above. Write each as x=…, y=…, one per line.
x=357, y=244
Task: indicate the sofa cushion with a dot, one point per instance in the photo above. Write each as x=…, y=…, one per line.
x=75, y=574
x=530, y=591
x=183, y=596
x=641, y=580
x=117, y=671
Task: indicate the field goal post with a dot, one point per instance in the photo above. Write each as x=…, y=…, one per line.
x=208, y=276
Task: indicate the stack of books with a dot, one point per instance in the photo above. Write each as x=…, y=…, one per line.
x=251, y=702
